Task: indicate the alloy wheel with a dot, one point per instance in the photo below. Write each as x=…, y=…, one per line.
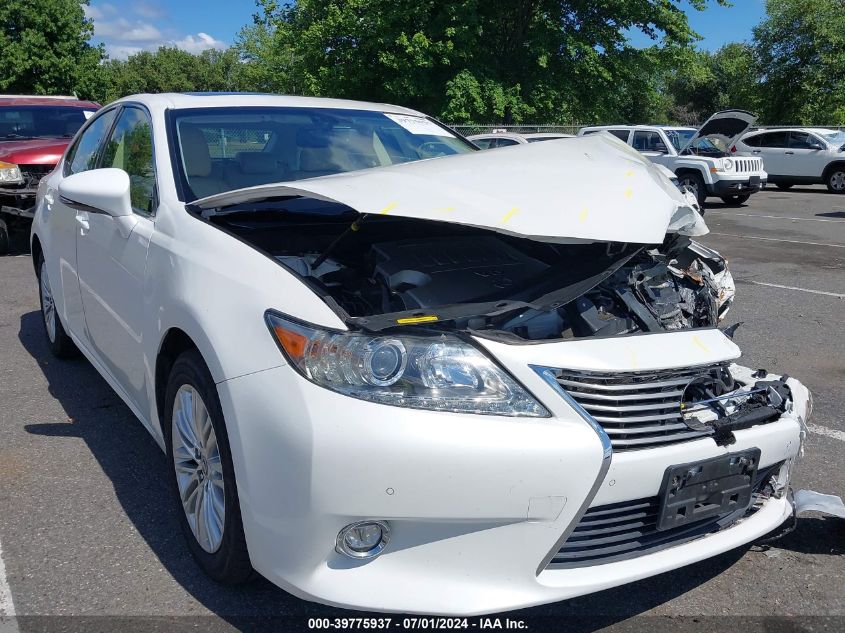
x=48, y=306
x=199, y=470
x=837, y=181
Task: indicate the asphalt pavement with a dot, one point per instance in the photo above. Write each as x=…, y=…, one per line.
x=88, y=527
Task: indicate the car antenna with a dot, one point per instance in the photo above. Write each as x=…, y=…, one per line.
x=353, y=228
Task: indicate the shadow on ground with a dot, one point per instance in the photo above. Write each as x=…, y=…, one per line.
x=137, y=469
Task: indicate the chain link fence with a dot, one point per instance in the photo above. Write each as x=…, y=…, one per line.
x=469, y=130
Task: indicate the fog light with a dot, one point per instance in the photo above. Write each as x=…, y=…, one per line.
x=364, y=539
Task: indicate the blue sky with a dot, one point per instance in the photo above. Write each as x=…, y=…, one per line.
x=128, y=26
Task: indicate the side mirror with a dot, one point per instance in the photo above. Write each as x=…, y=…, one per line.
x=816, y=146
x=104, y=191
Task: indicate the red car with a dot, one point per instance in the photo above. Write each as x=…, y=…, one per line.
x=34, y=132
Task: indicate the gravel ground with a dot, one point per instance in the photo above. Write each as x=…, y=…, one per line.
x=87, y=527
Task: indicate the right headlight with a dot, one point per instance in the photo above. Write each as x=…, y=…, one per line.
x=440, y=372
x=10, y=174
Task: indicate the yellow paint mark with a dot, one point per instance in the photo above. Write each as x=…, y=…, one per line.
x=634, y=363
x=388, y=208
x=582, y=217
x=700, y=345
x=629, y=193
x=629, y=173
x=428, y=318
x=445, y=210
x=510, y=214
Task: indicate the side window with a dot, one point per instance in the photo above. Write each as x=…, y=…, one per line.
x=622, y=135
x=648, y=141
x=483, y=143
x=774, y=139
x=83, y=155
x=753, y=141
x=130, y=148
x=803, y=140
x=505, y=142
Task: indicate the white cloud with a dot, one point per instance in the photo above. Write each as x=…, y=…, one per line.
x=150, y=10
x=198, y=43
x=116, y=51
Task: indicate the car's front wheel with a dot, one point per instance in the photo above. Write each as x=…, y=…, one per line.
x=61, y=345
x=4, y=237
x=202, y=473
x=784, y=185
x=693, y=183
x=736, y=200
x=836, y=180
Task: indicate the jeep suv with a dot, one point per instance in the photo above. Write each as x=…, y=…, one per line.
x=798, y=155
x=34, y=132
x=700, y=158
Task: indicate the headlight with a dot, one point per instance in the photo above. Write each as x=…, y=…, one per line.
x=10, y=174
x=441, y=372
x=727, y=164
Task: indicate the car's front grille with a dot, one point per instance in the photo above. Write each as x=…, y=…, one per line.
x=32, y=174
x=636, y=409
x=747, y=165
x=623, y=530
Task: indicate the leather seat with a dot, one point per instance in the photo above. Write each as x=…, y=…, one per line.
x=197, y=160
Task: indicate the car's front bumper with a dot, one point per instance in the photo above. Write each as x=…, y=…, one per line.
x=18, y=202
x=476, y=503
x=737, y=185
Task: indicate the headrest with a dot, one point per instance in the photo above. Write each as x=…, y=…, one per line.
x=195, y=151
x=313, y=159
x=312, y=137
x=256, y=162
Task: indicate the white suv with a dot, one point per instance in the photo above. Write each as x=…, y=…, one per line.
x=699, y=158
x=799, y=155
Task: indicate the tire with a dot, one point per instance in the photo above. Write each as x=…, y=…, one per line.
x=61, y=345
x=836, y=179
x=736, y=200
x=783, y=185
x=4, y=237
x=695, y=183
x=205, y=472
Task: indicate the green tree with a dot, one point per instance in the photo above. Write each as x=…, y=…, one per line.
x=171, y=69
x=44, y=48
x=493, y=60
x=800, y=47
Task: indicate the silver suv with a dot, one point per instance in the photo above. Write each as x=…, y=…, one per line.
x=799, y=155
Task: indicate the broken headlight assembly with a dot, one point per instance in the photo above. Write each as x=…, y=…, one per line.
x=439, y=373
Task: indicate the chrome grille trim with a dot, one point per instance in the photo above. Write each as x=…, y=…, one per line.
x=636, y=410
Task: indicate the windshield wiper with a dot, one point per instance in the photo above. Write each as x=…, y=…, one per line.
x=18, y=137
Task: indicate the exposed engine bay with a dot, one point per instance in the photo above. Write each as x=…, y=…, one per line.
x=381, y=272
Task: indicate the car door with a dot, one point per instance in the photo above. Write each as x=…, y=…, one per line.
x=61, y=258
x=807, y=155
x=773, y=148
x=111, y=267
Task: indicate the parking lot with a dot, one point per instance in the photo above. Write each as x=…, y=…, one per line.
x=86, y=522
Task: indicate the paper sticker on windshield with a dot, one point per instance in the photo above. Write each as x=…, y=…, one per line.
x=87, y=114
x=419, y=125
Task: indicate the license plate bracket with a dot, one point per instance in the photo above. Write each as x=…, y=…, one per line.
x=706, y=489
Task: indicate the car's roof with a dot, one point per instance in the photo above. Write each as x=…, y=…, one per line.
x=819, y=130
x=511, y=135
x=547, y=135
x=184, y=100
x=31, y=100
x=639, y=126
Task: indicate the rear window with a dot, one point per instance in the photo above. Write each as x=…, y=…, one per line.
x=28, y=122
x=222, y=149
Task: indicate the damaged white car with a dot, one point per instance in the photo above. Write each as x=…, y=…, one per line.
x=459, y=385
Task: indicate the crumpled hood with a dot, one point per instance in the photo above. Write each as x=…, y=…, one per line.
x=37, y=150
x=726, y=126
x=592, y=188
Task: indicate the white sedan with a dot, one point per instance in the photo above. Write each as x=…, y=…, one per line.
x=392, y=372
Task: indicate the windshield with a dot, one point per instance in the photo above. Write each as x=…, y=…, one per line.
x=834, y=137
x=222, y=149
x=27, y=122
x=679, y=138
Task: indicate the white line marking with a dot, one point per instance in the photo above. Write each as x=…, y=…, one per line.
x=815, y=292
x=774, y=217
x=7, y=607
x=774, y=239
x=823, y=430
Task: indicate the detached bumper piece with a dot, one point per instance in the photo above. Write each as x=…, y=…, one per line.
x=629, y=529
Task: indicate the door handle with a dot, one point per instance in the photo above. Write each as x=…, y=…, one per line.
x=756, y=151
x=82, y=221
x=789, y=153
